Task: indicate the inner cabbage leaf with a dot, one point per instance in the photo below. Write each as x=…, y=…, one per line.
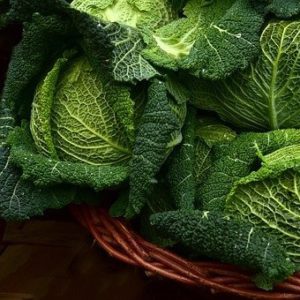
x=78, y=118
x=133, y=13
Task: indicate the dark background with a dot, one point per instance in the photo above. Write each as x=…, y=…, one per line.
x=53, y=258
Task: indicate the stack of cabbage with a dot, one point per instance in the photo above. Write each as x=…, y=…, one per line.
x=189, y=109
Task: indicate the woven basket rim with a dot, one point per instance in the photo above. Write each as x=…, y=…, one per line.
x=115, y=236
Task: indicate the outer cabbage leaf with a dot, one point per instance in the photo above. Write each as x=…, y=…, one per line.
x=284, y=9
x=20, y=199
x=181, y=176
x=229, y=240
x=131, y=15
x=160, y=201
x=21, y=10
x=42, y=39
x=50, y=27
x=45, y=171
x=208, y=132
x=212, y=41
x=177, y=89
x=267, y=94
x=237, y=159
x=203, y=161
x=157, y=126
x=269, y=198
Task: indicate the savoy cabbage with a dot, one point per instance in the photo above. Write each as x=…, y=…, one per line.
x=189, y=109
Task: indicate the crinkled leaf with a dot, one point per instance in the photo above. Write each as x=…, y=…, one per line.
x=157, y=125
x=20, y=199
x=209, y=132
x=267, y=94
x=237, y=159
x=45, y=171
x=42, y=108
x=203, y=161
x=181, y=176
x=118, y=208
x=21, y=10
x=50, y=27
x=43, y=38
x=89, y=118
x=133, y=13
x=178, y=90
x=212, y=40
x=160, y=201
x=229, y=240
x=3, y=13
x=281, y=8
x=127, y=62
x=123, y=18
x=269, y=198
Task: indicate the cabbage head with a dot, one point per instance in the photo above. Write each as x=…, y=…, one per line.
x=82, y=126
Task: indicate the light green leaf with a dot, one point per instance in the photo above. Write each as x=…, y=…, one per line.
x=267, y=94
x=133, y=13
x=213, y=132
x=127, y=62
x=212, y=40
x=42, y=108
x=87, y=117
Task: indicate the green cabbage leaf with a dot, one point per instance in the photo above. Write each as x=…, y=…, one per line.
x=266, y=96
x=159, y=131
x=213, y=39
x=210, y=234
x=269, y=198
x=20, y=198
x=124, y=20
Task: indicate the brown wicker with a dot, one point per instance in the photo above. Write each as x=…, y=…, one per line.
x=115, y=236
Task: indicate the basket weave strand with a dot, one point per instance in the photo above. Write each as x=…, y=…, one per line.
x=119, y=241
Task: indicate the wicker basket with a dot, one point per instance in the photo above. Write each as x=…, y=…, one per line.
x=118, y=240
